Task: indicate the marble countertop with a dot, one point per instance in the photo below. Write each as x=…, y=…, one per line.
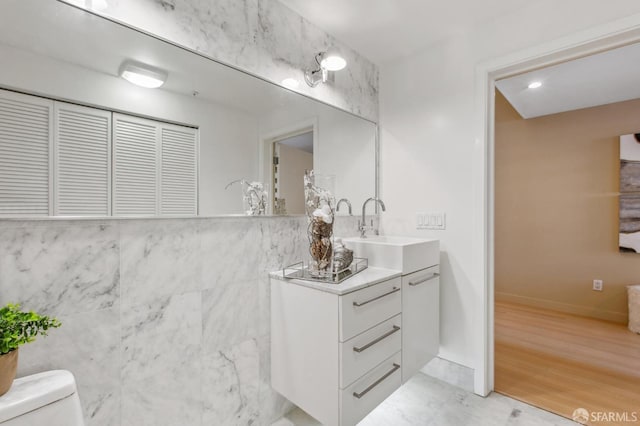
x=366, y=278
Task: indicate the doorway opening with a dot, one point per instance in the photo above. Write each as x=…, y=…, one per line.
x=552, y=188
x=592, y=40
x=559, y=344
x=292, y=156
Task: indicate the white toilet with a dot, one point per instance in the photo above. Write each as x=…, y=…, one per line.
x=43, y=399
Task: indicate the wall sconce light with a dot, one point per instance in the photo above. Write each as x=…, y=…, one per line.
x=327, y=61
x=143, y=75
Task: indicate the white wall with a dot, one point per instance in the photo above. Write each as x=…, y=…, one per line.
x=227, y=136
x=427, y=120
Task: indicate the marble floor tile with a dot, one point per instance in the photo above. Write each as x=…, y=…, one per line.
x=450, y=372
x=426, y=401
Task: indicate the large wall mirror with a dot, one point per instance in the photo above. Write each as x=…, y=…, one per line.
x=77, y=139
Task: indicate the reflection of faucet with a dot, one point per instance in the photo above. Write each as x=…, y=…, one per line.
x=344, y=200
x=232, y=182
x=362, y=226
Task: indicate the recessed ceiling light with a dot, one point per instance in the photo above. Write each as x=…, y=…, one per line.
x=535, y=85
x=290, y=83
x=143, y=75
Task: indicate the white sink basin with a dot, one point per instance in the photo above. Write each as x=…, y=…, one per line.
x=404, y=254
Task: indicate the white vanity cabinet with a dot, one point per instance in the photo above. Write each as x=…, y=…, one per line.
x=336, y=351
x=418, y=260
x=421, y=324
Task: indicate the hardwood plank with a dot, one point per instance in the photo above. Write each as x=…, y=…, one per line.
x=560, y=362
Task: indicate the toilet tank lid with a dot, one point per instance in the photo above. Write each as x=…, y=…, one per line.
x=32, y=392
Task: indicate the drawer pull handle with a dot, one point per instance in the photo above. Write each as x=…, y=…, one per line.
x=377, y=382
x=373, y=342
x=395, y=289
x=424, y=280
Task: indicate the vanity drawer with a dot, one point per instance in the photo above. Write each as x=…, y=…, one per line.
x=368, y=349
x=365, y=394
x=362, y=309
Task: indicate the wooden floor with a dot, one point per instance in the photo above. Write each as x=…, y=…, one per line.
x=560, y=362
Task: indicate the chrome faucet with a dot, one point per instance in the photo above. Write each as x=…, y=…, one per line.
x=344, y=200
x=362, y=225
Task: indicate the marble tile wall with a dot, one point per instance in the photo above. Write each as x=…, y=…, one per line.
x=263, y=37
x=165, y=321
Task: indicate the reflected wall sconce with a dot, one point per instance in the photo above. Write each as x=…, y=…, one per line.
x=143, y=75
x=327, y=61
x=97, y=5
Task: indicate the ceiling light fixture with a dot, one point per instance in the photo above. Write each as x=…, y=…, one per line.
x=331, y=60
x=143, y=75
x=535, y=85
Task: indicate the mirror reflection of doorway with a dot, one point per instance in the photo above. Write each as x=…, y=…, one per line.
x=293, y=155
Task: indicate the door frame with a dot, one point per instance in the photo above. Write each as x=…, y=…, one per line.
x=265, y=148
x=584, y=43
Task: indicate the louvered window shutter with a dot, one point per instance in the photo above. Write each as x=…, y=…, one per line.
x=179, y=170
x=82, y=161
x=25, y=155
x=135, y=166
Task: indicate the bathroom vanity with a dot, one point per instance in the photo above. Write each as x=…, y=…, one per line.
x=338, y=350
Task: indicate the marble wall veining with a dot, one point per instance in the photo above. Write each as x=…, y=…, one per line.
x=165, y=321
x=262, y=37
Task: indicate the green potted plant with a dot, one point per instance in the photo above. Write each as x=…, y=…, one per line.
x=17, y=328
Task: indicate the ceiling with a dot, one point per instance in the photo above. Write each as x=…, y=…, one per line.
x=383, y=30
x=303, y=142
x=599, y=79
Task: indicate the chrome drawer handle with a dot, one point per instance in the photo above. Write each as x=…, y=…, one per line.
x=373, y=342
x=376, y=298
x=377, y=382
x=424, y=280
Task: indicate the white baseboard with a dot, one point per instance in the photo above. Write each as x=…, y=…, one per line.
x=450, y=372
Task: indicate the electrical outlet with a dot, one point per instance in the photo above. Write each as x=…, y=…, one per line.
x=597, y=285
